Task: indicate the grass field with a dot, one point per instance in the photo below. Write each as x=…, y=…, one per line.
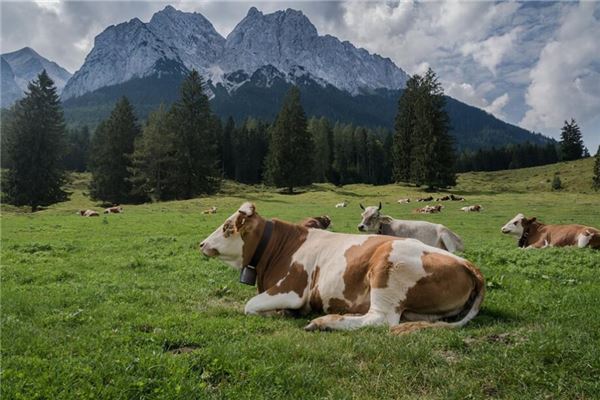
x=124, y=306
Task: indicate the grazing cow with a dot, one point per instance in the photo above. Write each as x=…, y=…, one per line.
x=321, y=222
x=425, y=199
x=212, y=210
x=534, y=234
x=404, y=201
x=373, y=280
x=436, y=235
x=475, y=208
x=456, y=198
x=114, y=210
x=343, y=204
x=88, y=213
x=445, y=198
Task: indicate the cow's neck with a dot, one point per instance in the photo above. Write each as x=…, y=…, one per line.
x=276, y=260
x=529, y=231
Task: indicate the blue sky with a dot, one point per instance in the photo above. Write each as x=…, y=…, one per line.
x=531, y=64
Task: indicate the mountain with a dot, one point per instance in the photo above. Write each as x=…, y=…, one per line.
x=286, y=40
x=260, y=94
x=25, y=65
x=10, y=90
x=249, y=72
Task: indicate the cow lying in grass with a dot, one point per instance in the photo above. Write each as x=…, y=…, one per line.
x=534, y=234
x=381, y=280
x=436, y=235
x=88, y=213
x=321, y=222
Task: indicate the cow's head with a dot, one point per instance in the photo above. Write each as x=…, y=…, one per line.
x=227, y=241
x=371, y=218
x=517, y=225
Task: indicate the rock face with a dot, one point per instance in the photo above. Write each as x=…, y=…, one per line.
x=284, y=40
x=22, y=66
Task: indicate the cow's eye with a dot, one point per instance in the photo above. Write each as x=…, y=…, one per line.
x=515, y=222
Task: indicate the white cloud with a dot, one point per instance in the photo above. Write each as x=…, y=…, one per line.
x=476, y=96
x=490, y=52
x=565, y=82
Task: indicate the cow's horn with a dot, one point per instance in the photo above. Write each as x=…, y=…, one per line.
x=379, y=206
x=361, y=206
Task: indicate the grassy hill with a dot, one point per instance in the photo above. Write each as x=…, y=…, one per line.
x=124, y=306
x=576, y=177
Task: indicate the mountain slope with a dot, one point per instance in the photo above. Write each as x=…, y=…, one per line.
x=260, y=95
x=26, y=64
x=10, y=91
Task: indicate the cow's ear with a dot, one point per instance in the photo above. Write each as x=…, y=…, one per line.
x=533, y=219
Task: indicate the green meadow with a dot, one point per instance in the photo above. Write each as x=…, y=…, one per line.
x=125, y=307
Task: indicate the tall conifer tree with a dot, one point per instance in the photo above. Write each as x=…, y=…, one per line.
x=290, y=158
x=35, y=145
x=571, y=143
x=596, y=179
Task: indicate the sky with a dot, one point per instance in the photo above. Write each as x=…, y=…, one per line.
x=533, y=64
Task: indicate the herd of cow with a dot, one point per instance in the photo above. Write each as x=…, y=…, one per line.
x=403, y=274
x=92, y=213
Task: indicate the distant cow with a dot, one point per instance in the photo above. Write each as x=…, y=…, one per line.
x=425, y=199
x=534, y=234
x=114, y=210
x=88, y=213
x=321, y=222
x=475, y=208
x=343, y=204
x=436, y=235
x=456, y=198
x=404, y=201
x=356, y=280
x=212, y=210
x=445, y=198
x=430, y=209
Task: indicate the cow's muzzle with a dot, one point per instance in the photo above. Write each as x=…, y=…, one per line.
x=362, y=227
x=208, y=251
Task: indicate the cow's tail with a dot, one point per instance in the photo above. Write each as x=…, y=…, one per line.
x=468, y=313
x=452, y=242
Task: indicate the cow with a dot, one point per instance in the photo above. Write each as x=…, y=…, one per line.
x=425, y=199
x=343, y=204
x=212, y=210
x=88, y=213
x=404, y=201
x=445, y=198
x=534, y=234
x=321, y=222
x=114, y=210
x=429, y=209
x=357, y=280
x=475, y=208
x=435, y=235
x=456, y=198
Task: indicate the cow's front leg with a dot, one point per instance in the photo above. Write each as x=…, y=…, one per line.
x=265, y=303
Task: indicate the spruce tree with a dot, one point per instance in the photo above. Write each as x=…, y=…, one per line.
x=153, y=161
x=290, y=158
x=596, y=178
x=195, y=141
x=403, y=136
x=571, y=143
x=110, y=155
x=35, y=145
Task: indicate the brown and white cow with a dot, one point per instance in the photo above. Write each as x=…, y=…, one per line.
x=444, y=198
x=212, y=210
x=429, y=209
x=358, y=280
x=114, y=210
x=88, y=213
x=534, y=234
x=424, y=199
x=436, y=235
x=321, y=222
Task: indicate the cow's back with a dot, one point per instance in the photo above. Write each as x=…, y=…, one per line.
x=424, y=231
x=564, y=235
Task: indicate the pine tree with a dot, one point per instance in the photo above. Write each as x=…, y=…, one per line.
x=596, y=179
x=195, y=141
x=571, y=143
x=110, y=155
x=423, y=148
x=35, y=144
x=290, y=159
x=153, y=161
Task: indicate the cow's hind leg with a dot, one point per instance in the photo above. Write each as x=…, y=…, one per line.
x=383, y=311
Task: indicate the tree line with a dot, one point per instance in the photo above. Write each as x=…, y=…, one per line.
x=184, y=150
